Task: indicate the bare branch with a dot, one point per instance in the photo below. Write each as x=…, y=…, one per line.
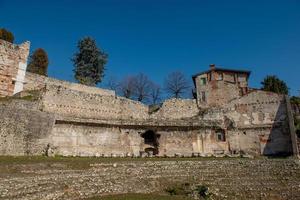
x=127, y=87
x=112, y=83
x=142, y=86
x=155, y=93
x=176, y=84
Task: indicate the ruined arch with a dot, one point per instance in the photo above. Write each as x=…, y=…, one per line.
x=151, y=142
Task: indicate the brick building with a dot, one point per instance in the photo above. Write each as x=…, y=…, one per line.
x=13, y=63
x=218, y=86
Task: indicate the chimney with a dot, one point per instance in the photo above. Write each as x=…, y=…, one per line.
x=212, y=66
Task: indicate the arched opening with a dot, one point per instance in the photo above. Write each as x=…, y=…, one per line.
x=151, y=142
x=220, y=135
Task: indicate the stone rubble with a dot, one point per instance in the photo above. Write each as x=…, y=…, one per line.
x=226, y=178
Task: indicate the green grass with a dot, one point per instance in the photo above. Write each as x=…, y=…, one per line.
x=13, y=164
x=88, y=160
x=32, y=95
x=140, y=197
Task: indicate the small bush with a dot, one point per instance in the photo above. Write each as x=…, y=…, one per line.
x=6, y=35
x=197, y=192
x=202, y=191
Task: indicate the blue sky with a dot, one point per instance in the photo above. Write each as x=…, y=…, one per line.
x=157, y=37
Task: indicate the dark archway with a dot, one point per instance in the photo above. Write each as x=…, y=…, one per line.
x=151, y=142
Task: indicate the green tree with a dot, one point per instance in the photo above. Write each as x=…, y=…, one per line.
x=38, y=62
x=89, y=62
x=6, y=35
x=295, y=100
x=274, y=84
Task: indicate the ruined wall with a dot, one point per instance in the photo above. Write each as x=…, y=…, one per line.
x=105, y=141
x=13, y=63
x=95, y=122
x=36, y=82
x=177, y=109
x=191, y=142
x=74, y=103
x=260, y=124
x=23, y=131
x=83, y=140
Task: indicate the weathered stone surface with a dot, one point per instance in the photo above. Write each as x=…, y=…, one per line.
x=36, y=82
x=226, y=178
x=23, y=131
x=13, y=59
x=79, y=120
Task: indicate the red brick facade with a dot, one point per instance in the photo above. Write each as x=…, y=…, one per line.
x=13, y=59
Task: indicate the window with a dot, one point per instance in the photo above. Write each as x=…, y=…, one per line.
x=243, y=91
x=202, y=81
x=241, y=78
x=219, y=76
x=203, y=97
x=230, y=78
x=221, y=135
x=209, y=77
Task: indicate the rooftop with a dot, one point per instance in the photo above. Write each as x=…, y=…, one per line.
x=214, y=68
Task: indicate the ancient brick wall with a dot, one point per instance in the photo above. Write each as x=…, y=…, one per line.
x=64, y=101
x=176, y=109
x=13, y=63
x=84, y=140
x=260, y=124
x=119, y=134
x=23, y=131
x=95, y=122
x=36, y=82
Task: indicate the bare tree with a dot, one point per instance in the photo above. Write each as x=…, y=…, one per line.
x=176, y=84
x=155, y=93
x=127, y=87
x=142, y=86
x=112, y=83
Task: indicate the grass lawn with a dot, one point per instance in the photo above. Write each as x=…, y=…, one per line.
x=84, y=162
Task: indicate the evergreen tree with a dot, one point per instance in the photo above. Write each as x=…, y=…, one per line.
x=6, y=35
x=38, y=62
x=274, y=84
x=89, y=62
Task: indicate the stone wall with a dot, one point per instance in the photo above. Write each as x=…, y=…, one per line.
x=13, y=63
x=177, y=109
x=24, y=131
x=36, y=82
x=192, y=142
x=90, y=121
x=82, y=128
x=67, y=102
x=84, y=140
x=105, y=141
x=260, y=124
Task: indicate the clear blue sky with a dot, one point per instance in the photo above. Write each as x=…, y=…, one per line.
x=159, y=36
